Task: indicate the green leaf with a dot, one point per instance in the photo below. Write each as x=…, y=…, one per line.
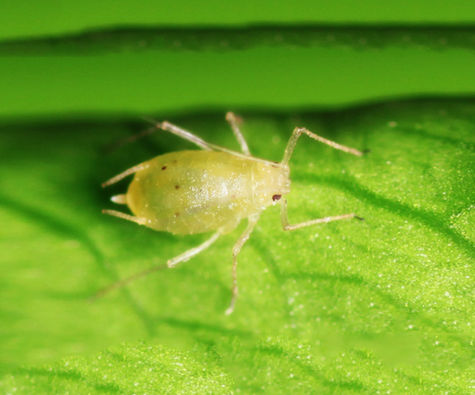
x=152, y=70
x=124, y=370
x=45, y=19
x=384, y=305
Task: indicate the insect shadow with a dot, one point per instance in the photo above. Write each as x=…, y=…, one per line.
x=188, y=192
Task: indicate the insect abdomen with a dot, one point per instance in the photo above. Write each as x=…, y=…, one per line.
x=193, y=191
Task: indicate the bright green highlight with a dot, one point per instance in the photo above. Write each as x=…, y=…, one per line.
x=134, y=368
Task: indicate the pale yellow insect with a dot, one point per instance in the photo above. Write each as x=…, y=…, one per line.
x=190, y=192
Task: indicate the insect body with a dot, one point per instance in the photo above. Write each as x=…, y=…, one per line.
x=199, y=191
x=190, y=192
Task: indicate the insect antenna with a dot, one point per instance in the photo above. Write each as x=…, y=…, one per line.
x=115, y=145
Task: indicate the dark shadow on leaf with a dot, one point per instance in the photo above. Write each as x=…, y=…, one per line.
x=224, y=39
x=68, y=376
x=317, y=374
x=63, y=229
x=194, y=326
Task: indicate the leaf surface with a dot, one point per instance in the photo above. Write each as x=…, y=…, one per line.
x=350, y=307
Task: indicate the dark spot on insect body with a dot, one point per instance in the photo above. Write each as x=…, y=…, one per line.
x=177, y=186
x=164, y=168
x=276, y=197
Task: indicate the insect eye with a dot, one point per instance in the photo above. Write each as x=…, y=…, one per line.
x=276, y=197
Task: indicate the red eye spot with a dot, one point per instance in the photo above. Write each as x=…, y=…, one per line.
x=276, y=197
x=164, y=168
x=177, y=186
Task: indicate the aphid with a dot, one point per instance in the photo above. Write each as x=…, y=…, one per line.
x=189, y=192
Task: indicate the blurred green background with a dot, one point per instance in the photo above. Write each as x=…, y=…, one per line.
x=74, y=58
x=383, y=307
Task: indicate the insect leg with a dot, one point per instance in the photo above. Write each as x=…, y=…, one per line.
x=252, y=220
x=138, y=220
x=194, y=251
x=234, y=123
x=177, y=131
x=184, y=134
x=170, y=263
x=203, y=144
x=127, y=281
x=298, y=132
x=285, y=221
x=126, y=173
